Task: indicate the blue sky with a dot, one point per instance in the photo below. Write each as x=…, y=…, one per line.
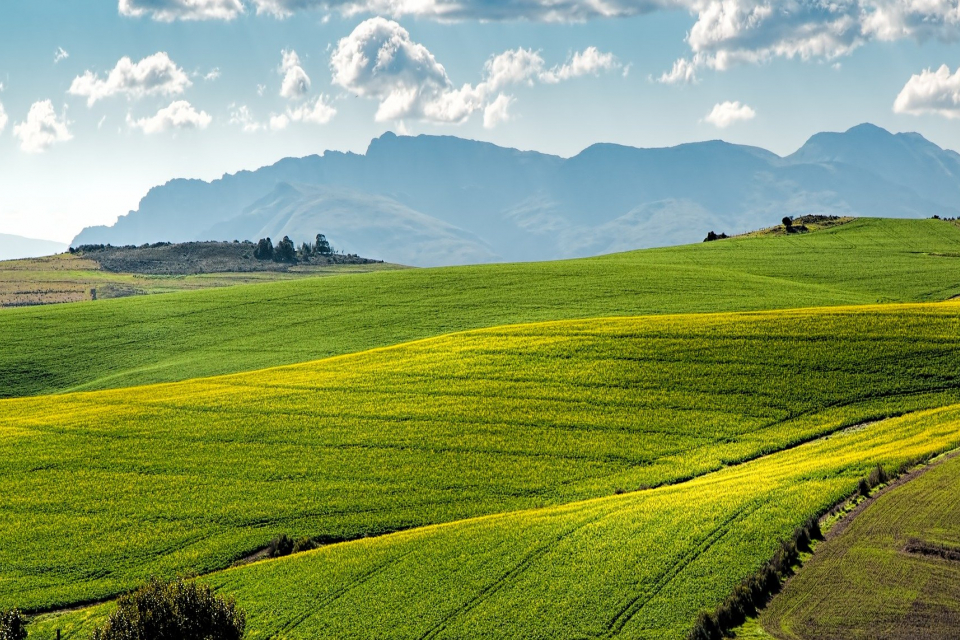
x=207, y=88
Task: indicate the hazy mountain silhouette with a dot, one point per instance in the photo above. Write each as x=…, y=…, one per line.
x=16, y=247
x=430, y=200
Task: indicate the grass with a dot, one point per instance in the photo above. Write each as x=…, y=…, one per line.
x=870, y=582
x=637, y=565
x=119, y=343
x=71, y=278
x=104, y=489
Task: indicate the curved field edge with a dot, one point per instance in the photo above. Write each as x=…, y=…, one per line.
x=121, y=343
x=638, y=565
x=101, y=490
x=893, y=572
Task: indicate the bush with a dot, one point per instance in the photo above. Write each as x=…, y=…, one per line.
x=176, y=609
x=282, y=545
x=863, y=487
x=12, y=625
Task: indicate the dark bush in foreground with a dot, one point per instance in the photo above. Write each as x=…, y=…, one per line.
x=174, y=610
x=12, y=625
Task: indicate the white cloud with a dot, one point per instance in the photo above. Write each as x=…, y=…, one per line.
x=725, y=114
x=213, y=74
x=317, y=112
x=279, y=122
x=591, y=61
x=311, y=112
x=296, y=82
x=42, y=128
x=179, y=115
x=242, y=116
x=261, y=89
x=536, y=10
x=935, y=92
x=683, y=72
x=497, y=111
x=4, y=119
x=59, y=55
x=380, y=61
x=170, y=10
x=154, y=75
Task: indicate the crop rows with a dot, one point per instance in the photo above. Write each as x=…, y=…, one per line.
x=637, y=565
x=101, y=490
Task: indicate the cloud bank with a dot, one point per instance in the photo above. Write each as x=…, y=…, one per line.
x=154, y=75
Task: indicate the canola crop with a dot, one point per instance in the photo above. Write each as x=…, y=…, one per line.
x=101, y=490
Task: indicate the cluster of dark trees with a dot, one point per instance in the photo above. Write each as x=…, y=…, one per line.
x=286, y=251
x=90, y=248
x=715, y=236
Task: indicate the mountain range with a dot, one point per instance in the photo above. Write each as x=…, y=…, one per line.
x=440, y=200
x=15, y=247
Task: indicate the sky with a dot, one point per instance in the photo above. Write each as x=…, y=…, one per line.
x=101, y=100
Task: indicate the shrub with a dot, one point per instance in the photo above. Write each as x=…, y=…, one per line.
x=304, y=544
x=176, y=609
x=711, y=236
x=264, y=250
x=863, y=487
x=878, y=476
x=12, y=625
x=282, y=545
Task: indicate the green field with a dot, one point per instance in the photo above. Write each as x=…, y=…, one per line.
x=574, y=476
x=638, y=565
x=118, y=343
x=870, y=581
x=72, y=278
x=194, y=475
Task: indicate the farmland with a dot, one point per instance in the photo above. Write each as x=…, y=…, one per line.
x=893, y=573
x=195, y=475
x=119, y=343
x=638, y=565
x=73, y=278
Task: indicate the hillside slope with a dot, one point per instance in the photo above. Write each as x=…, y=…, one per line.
x=117, y=343
x=431, y=200
x=105, y=489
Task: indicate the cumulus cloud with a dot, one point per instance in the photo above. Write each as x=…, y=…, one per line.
x=727, y=113
x=170, y=10
x=154, y=75
x=931, y=92
x=42, y=128
x=4, y=119
x=179, y=115
x=59, y=55
x=311, y=112
x=729, y=32
x=380, y=61
x=213, y=74
x=497, y=111
x=590, y=61
x=296, y=82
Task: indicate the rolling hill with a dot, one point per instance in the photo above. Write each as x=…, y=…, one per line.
x=117, y=343
x=741, y=420
x=430, y=201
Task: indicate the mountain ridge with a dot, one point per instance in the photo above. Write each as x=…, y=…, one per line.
x=440, y=200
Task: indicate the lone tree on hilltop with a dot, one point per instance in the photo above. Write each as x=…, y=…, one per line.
x=264, y=250
x=787, y=223
x=323, y=246
x=176, y=609
x=285, y=251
